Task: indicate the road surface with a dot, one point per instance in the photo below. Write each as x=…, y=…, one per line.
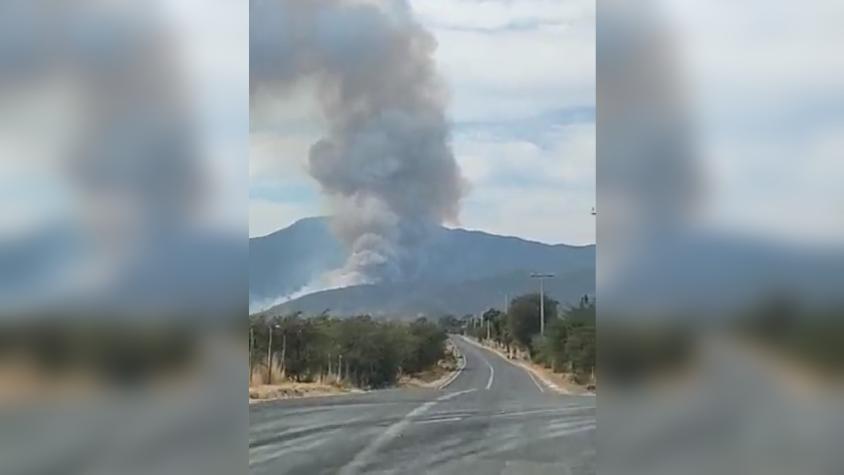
x=493, y=418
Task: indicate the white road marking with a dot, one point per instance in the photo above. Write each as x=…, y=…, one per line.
x=570, y=430
x=362, y=458
x=455, y=375
x=550, y=412
x=265, y=454
x=447, y=419
x=532, y=378
x=491, y=373
x=529, y=371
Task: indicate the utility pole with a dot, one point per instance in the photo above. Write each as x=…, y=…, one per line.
x=487, y=329
x=542, y=306
x=284, y=354
x=541, y=278
x=269, y=355
x=251, y=347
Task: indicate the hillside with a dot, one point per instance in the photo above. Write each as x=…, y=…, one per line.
x=465, y=271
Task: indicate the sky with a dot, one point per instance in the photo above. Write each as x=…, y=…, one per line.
x=521, y=82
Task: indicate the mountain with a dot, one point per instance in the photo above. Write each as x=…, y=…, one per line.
x=413, y=299
x=285, y=261
x=464, y=271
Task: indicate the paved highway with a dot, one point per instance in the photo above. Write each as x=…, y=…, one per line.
x=493, y=418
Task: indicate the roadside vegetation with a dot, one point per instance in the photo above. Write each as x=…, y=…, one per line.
x=361, y=352
x=568, y=345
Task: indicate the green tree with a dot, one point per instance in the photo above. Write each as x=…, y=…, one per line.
x=428, y=344
x=523, y=318
x=556, y=335
x=570, y=342
x=492, y=322
x=450, y=324
x=373, y=353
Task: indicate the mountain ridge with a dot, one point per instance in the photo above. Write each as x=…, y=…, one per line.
x=482, y=264
x=314, y=219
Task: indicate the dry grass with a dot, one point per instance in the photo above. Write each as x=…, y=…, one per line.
x=282, y=388
x=289, y=390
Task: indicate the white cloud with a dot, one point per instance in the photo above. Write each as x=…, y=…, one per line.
x=569, y=158
x=513, y=59
x=279, y=158
x=278, y=164
x=282, y=129
x=516, y=74
x=545, y=215
x=507, y=63
x=520, y=188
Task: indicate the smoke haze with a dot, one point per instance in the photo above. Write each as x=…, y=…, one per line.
x=385, y=162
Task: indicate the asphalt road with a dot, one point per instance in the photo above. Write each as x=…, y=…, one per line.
x=494, y=418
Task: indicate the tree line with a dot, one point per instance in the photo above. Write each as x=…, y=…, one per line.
x=361, y=351
x=569, y=341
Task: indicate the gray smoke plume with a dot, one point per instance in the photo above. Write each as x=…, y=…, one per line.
x=385, y=163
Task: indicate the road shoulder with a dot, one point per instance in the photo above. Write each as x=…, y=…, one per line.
x=536, y=372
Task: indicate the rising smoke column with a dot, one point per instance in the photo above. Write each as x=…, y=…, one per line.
x=385, y=163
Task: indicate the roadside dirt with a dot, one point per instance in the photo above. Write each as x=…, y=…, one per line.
x=289, y=390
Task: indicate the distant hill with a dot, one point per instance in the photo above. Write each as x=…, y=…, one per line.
x=465, y=271
x=285, y=261
x=413, y=299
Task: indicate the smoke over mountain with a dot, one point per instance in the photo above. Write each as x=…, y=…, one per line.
x=385, y=163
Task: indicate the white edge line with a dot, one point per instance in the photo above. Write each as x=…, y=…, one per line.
x=454, y=376
x=530, y=371
x=491, y=369
x=533, y=378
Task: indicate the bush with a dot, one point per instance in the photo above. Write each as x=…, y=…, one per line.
x=363, y=351
x=569, y=342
